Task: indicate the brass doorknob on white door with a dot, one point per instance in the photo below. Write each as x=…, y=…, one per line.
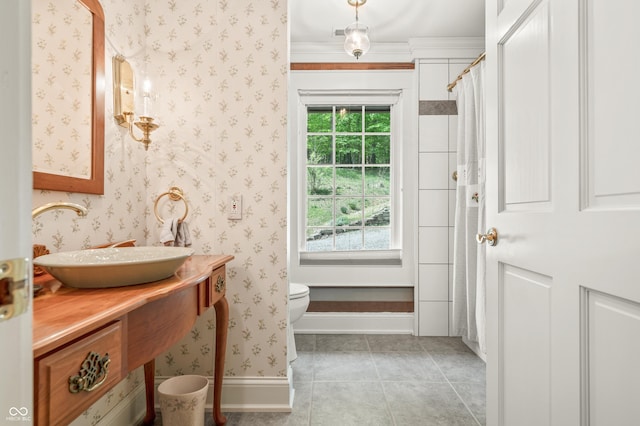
x=491, y=237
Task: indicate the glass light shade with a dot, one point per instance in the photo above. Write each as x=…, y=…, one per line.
x=146, y=96
x=356, y=42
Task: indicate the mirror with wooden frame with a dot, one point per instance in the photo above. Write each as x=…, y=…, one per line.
x=68, y=96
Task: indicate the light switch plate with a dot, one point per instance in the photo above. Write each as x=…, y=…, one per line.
x=234, y=207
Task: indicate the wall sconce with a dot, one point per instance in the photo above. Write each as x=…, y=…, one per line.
x=123, y=101
x=356, y=42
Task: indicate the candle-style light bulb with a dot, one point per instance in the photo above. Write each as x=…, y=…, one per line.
x=146, y=97
x=146, y=86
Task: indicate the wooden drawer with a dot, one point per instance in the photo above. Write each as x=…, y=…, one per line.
x=218, y=285
x=210, y=291
x=59, y=401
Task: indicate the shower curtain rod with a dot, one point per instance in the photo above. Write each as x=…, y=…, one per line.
x=479, y=59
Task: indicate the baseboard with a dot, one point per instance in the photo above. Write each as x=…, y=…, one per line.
x=292, y=391
x=256, y=394
x=355, y=323
x=253, y=394
x=129, y=411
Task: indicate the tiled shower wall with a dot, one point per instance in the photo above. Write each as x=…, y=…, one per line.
x=436, y=210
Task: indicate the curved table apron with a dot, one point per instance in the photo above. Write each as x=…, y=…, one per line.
x=85, y=341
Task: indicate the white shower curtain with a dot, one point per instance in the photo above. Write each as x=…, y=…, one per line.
x=469, y=257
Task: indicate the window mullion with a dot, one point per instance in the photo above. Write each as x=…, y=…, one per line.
x=334, y=229
x=362, y=170
x=324, y=136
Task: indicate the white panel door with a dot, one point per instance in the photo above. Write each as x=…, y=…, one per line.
x=16, y=355
x=563, y=191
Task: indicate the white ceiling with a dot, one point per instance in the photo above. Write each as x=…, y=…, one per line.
x=389, y=21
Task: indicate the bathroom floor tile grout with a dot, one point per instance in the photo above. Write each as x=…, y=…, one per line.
x=455, y=390
x=384, y=393
x=311, y=411
x=424, y=350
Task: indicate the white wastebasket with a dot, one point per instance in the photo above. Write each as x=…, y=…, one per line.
x=182, y=400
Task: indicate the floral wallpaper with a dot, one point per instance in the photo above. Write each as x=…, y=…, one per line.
x=120, y=213
x=219, y=71
x=61, y=83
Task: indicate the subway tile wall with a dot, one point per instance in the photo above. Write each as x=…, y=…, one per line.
x=436, y=209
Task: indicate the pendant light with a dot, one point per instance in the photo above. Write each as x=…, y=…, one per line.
x=356, y=42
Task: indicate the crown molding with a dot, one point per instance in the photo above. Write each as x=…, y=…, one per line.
x=334, y=52
x=446, y=47
x=415, y=48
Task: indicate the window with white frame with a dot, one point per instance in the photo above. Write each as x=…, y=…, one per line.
x=344, y=255
x=350, y=179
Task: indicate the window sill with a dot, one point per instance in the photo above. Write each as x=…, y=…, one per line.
x=355, y=258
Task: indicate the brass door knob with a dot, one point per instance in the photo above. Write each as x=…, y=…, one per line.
x=491, y=237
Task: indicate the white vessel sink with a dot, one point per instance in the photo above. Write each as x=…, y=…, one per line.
x=113, y=267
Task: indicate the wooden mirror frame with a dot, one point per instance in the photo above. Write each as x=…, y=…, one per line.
x=95, y=184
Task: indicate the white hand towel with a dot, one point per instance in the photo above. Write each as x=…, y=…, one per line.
x=167, y=236
x=174, y=227
x=183, y=238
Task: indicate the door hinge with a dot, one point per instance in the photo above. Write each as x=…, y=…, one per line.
x=14, y=288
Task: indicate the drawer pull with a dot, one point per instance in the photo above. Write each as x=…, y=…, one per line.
x=92, y=374
x=220, y=284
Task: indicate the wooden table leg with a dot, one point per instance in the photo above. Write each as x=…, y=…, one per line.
x=149, y=375
x=222, y=324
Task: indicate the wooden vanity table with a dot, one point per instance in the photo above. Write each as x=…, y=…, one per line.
x=85, y=341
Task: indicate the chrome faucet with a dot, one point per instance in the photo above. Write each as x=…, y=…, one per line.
x=82, y=211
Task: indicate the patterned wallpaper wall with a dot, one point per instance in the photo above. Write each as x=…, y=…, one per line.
x=120, y=213
x=61, y=83
x=219, y=68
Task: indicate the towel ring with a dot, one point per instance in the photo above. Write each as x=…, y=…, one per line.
x=175, y=194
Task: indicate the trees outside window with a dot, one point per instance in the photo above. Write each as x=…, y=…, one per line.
x=348, y=178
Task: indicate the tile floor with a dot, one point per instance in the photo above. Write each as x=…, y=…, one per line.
x=371, y=380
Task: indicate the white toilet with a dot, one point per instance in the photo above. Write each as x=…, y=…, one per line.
x=298, y=304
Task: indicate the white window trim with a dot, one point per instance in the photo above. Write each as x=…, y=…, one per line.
x=392, y=256
x=360, y=257
x=356, y=275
